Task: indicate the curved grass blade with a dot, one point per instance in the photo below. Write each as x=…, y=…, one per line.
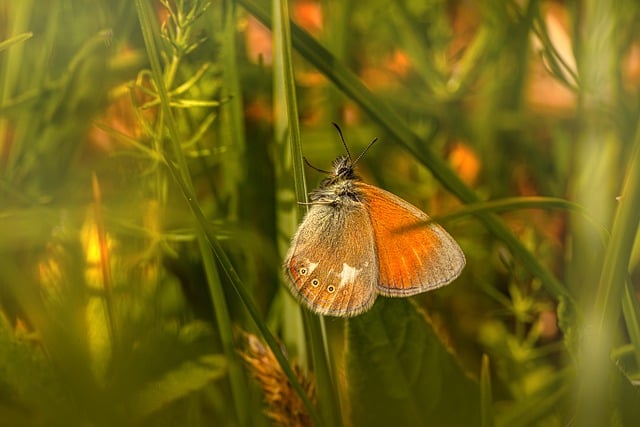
x=517, y=203
x=6, y=44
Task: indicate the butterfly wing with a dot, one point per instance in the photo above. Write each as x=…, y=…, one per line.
x=410, y=261
x=332, y=264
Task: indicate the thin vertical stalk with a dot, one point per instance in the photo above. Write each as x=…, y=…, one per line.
x=631, y=312
x=596, y=164
x=596, y=365
x=486, y=400
x=105, y=260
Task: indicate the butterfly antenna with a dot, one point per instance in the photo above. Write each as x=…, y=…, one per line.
x=342, y=138
x=313, y=167
x=373, y=141
x=353, y=162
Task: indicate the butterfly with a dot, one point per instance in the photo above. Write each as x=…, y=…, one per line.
x=358, y=241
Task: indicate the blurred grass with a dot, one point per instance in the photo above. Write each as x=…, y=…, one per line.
x=150, y=169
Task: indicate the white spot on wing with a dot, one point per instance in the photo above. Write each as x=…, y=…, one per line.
x=312, y=266
x=348, y=274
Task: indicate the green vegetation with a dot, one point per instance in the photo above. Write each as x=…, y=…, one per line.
x=151, y=169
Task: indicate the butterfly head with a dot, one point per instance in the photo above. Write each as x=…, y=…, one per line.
x=339, y=186
x=343, y=168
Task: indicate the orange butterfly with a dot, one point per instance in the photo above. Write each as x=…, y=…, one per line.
x=349, y=249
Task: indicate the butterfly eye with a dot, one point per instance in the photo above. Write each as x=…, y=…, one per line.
x=303, y=271
x=331, y=289
x=315, y=282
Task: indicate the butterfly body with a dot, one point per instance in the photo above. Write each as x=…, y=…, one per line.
x=354, y=244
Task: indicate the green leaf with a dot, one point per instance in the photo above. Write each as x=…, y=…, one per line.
x=187, y=378
x=400, y=374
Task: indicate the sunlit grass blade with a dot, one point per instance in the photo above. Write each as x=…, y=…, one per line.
x=6, y=44
x=514, y=204
x=603, y=317
x=557, y=64
x=519, y=203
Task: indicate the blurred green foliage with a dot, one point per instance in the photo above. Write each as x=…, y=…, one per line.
x=148, y=193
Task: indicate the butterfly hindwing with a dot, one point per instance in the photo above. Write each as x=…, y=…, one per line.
x=414, y=260
x=331, y=263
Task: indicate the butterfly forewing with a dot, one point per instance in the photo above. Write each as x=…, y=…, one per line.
x=332, y=263
x=413, y=260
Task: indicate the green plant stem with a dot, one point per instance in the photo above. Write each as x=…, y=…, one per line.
x=231, y=114
x=616, y=262
x=486, y=400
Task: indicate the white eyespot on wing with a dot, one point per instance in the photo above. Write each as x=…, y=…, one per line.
x=348, y=274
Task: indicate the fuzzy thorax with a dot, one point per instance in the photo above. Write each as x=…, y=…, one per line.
x=340, y=186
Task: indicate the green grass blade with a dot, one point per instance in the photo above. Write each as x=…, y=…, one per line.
x=618, y=254
x=6, y=44
x=512, y=204
x=286, y=101
x=519, y=203
x=596, y=368
x=231, y=114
